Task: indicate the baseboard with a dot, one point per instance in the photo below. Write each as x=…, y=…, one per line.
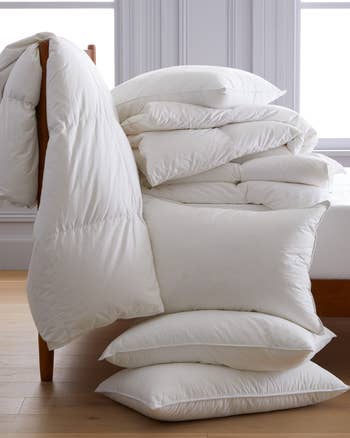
x=16, y=229
x=15, y=253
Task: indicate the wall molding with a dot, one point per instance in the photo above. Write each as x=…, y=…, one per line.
x=183, y=31
x=274, y=46
x=122, y=38
x=232, y=28
x=15, y=240
x=169, y=32
x=16, y=217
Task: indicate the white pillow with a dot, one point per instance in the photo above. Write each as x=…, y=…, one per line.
x=178, y=392
x=241, y=340
x=211, y=86
x=214, y=258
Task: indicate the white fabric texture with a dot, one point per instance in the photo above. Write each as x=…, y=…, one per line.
x=92, y=261
x=331, y=255
x=180, y=148
x=218, y=87
x=184, y=391
x=168, y=155
x=210, y=137
x=274, y=195
x=19, y=64
x=212, y=258
x=241, y=340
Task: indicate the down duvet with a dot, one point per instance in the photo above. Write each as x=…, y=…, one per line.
x=92, y=261
x=247, y=154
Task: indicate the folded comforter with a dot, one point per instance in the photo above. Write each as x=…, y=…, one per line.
x=92, y=261
x=260, y=154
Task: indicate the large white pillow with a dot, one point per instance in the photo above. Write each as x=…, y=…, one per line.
x=213, y=258
x=184, y=391
x=241, y=340
x=211, y=86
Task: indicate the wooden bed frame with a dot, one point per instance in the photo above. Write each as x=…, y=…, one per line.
x=332, y=297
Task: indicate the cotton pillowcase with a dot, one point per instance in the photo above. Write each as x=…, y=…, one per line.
x=241, y=340
x=214, y=258
x=180, y=392
x=211, y=86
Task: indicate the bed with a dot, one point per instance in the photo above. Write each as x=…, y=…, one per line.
x=332, y=294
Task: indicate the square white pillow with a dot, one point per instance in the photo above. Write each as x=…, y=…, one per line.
x=211, y=86
x=214, y=258
x=241, y=340
x=185, y=391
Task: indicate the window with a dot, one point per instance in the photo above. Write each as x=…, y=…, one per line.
x=324, y=91
x=86, y=22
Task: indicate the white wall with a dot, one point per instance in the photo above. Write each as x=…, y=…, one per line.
x=255, y=35
x=159, y=33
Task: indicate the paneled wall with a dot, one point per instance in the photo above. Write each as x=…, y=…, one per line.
x=158, y=33
x=255, y=35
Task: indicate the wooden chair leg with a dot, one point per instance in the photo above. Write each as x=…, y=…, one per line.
x=46, y=360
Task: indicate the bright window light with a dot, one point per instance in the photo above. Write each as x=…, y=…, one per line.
x=325, y=70
x=82, y=26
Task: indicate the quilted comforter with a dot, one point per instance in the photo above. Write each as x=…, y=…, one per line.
x=91, y=200
x=247, y=154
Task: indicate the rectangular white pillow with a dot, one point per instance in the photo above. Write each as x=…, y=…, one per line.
x=185, y=391
x=212, y=86
x=242, y=340
x=214, y=258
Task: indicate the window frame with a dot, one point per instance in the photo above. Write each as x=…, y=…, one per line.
x=334, y=147
x=113, y=5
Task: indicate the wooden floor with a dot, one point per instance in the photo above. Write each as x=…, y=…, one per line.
x=70, y=408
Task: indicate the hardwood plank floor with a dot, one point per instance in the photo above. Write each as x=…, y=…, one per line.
x=69, y=408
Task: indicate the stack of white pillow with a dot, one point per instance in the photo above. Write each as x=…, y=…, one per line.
x=240, y=325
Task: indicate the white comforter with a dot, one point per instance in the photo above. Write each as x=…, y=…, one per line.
x=247, y=154
x=92, y=261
